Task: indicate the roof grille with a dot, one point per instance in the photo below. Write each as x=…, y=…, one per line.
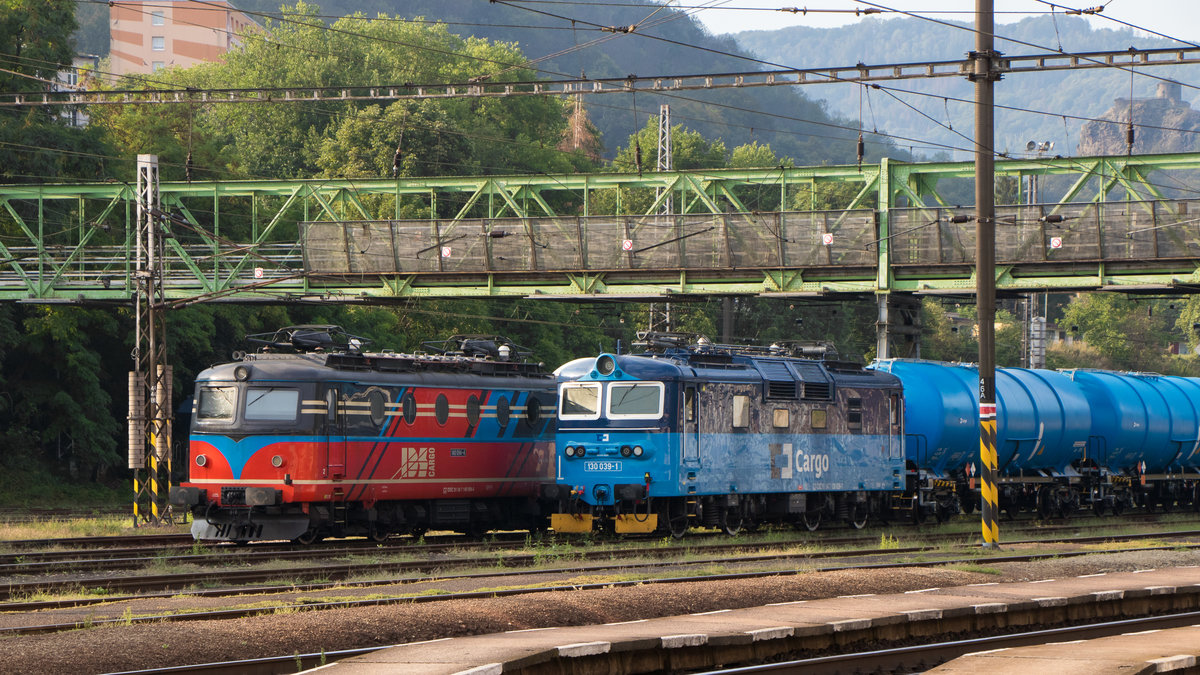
x=780, y=381
x=816, y=382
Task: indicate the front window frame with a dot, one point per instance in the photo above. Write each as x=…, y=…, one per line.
x=254, y=394
x=610, y=396
x=232, y=403
x=563, y=396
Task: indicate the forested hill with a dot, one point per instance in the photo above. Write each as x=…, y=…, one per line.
x=1086, y=93
x=666, y=41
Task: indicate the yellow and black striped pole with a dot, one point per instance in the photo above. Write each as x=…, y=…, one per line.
x=989, y=466
x=154, y=488
x=984, y=76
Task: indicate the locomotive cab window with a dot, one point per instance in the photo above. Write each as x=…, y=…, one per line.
x=216, y=404
x=579, y=401
x=818, y=418
x=782, y=418
x=272, y=404
x=636, y=400
x=854, y=419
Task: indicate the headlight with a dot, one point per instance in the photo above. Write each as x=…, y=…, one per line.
x=626, y=451
x=637, y=451
x=201, y=460
x=606, y=364
x=569, y=451
x=276, y=461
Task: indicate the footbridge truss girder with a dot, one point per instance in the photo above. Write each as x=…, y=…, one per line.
x=1115, y=223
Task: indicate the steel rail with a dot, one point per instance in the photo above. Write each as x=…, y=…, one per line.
x=497, y=593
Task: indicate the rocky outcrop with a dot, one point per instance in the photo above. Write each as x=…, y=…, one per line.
x=1163, y=124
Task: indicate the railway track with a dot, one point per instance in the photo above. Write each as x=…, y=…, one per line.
x=69, y=572
x=882, y=558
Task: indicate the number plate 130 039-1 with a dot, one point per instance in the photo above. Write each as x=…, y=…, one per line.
x=602, y=466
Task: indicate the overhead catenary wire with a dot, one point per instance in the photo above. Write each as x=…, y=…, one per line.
x=759, y=112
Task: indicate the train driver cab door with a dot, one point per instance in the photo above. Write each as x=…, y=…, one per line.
x=690, y=426
x=895, y=436
x=335, y=433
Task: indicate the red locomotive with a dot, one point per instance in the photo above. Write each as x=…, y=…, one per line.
x=312, y=436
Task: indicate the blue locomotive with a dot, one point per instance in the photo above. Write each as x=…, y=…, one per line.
x=694, y=434
x=690, y=433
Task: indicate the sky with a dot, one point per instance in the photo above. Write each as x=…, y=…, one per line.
x=1175, y=18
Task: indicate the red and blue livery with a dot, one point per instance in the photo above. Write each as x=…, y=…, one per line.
x=312, y=436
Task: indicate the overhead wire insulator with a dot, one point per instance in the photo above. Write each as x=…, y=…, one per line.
x=398, y=158
x=187, y=167
x=861, y=150
x=637, y=156
x=1129, y=138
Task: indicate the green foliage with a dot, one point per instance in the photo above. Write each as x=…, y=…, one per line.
x=1118, y=327
x=36, y=144
x=689, y=150
x=459, y=136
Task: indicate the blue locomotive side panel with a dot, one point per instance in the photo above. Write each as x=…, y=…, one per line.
x=748, y=436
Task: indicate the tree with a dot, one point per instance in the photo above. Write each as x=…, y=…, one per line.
x=1125, y=331
x=354, y=139
x=37, y=144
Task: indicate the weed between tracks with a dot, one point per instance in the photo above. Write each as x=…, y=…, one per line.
x=67, y=528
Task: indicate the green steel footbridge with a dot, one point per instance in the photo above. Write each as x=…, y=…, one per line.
x=1116, y=223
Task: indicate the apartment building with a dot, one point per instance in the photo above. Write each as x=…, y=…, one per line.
x=146, y=36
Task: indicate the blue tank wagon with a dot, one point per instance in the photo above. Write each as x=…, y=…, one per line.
x=690, y=433
x=1065, y=440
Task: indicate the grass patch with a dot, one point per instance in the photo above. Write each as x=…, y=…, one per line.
x=70, y=528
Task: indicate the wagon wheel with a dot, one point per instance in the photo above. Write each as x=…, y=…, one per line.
x=812, y=520
x=378, y=534
x=1196, y=497
x=1098, y=507
x=918, y=514
x=1068, y=506
x=677, y=519
x=858, y=516
x=731, y=520
x=418, y=532
x=1047, y=502
x=309, y=537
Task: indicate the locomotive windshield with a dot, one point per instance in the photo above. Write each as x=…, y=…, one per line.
x=216, y=403
x=272, y=404
x=639, y=400
x=580, y=401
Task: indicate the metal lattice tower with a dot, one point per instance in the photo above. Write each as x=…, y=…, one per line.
x=665, y=160
x=150, y=381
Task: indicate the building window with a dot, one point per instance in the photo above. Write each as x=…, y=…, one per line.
x=157, y=66
x=158, y=43
x=157, y=19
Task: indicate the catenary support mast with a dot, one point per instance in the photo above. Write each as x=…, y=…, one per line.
x=985, y=262
x=150, y=381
